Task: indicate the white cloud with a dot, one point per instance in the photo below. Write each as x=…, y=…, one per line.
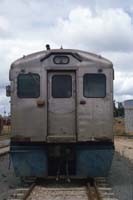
x=4, y=102
x=109, y=30
x=123, y=83
x=123, y=67
x=123, y=61
x=4, y=27
x=3, y=23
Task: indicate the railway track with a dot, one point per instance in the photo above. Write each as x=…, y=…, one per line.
x=98, y=190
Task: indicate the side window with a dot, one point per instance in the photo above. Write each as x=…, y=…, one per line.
x=94, y=85
x=61, y=86
x=28, y=85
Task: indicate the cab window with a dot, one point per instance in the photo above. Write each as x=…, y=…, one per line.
x=94, y=85
x=28, y=85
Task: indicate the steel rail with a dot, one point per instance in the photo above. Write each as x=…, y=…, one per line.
x=27, y=194
x=93, y=193
x=99, y=190
x=22, y=193
x=4, y=146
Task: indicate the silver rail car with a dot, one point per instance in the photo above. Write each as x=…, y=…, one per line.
x=62, y=114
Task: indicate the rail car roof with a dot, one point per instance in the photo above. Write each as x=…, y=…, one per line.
x=78, y=54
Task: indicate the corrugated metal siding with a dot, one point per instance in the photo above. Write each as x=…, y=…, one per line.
x=129, y=120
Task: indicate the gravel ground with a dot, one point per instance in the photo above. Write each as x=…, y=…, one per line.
x=7, y=177
x=59, y=193
x=121, y=177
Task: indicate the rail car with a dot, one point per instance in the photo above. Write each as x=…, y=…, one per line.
x=61, y=114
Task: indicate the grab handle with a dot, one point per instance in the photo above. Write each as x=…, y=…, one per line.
x=82, y=102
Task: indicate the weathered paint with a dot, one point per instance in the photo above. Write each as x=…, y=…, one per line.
x=92, y=160
x=29, y=160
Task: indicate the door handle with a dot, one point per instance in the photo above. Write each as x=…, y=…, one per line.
x=83, y=102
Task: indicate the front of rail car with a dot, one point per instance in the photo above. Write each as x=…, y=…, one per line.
x=62, y=114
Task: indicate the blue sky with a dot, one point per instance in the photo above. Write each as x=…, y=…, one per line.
x=101, y=26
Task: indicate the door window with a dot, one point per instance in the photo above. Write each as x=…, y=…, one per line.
x=61, y=86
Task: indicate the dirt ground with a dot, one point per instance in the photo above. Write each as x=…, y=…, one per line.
x=124, y=146
x=119, y=126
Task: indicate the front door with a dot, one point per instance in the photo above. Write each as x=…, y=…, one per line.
x=61, y=107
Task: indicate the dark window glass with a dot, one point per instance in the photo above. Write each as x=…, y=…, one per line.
x=28, y=85
x=94, y=85
x=61, y=86
x=61, y=59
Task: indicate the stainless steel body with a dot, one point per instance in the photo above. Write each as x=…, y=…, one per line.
x=74, y=118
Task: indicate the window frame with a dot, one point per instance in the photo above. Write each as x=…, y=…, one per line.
x=84, y=85
x=53, y=84
x=27, y=97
